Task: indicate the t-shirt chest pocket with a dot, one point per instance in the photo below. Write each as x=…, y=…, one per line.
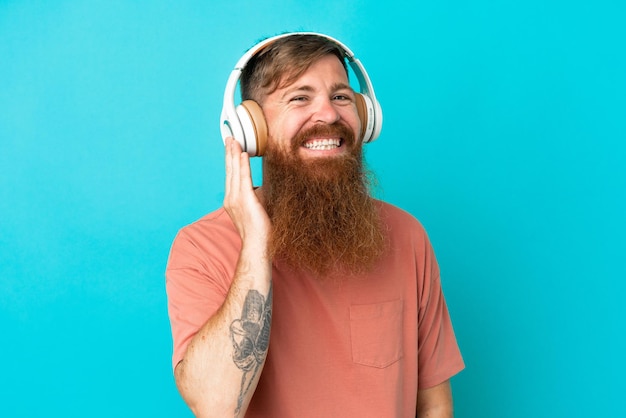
x=376, y=333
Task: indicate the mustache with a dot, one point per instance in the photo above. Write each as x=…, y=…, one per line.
x=338, y=129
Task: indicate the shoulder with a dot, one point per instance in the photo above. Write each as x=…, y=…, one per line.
x=397, y=219
x=216, y=223
x=213, y=235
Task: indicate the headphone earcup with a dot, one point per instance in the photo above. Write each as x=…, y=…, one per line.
x=365, y=110
x=254, y=127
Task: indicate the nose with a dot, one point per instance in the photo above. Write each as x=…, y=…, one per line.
x=326, y=112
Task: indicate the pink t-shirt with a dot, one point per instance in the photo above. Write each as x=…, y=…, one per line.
x=355, y=348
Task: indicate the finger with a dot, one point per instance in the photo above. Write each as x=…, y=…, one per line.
x=232, y=170
x=245, y=172
x=228, y=163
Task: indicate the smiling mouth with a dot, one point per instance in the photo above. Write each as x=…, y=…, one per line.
x=323, y=144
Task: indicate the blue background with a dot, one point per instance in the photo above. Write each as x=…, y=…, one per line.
x=505, y=131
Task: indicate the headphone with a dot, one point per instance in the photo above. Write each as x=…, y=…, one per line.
x=246, y=123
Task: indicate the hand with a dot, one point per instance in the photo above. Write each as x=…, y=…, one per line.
x=240, y=200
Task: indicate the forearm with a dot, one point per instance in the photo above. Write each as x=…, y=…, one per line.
x=223, y=362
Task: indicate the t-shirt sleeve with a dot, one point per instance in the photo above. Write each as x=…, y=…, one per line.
x=439, y=357
x=198, y=276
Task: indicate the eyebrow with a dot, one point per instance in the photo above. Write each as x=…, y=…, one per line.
x=307, y=88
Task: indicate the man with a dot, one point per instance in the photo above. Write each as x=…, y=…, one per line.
x=306, y=297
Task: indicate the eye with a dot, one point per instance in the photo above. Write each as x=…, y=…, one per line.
x=298, y=99
x=343, y=98
x=343, y=95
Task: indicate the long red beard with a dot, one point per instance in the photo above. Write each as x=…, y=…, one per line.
x=324, y=220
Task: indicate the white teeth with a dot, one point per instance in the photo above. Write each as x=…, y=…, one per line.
x=322, y=144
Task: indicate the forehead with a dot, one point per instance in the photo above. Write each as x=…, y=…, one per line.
x=327, y=69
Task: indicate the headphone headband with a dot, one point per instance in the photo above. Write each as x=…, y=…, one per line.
x=242, y=121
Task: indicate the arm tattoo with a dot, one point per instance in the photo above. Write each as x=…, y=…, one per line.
x=250, y=336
